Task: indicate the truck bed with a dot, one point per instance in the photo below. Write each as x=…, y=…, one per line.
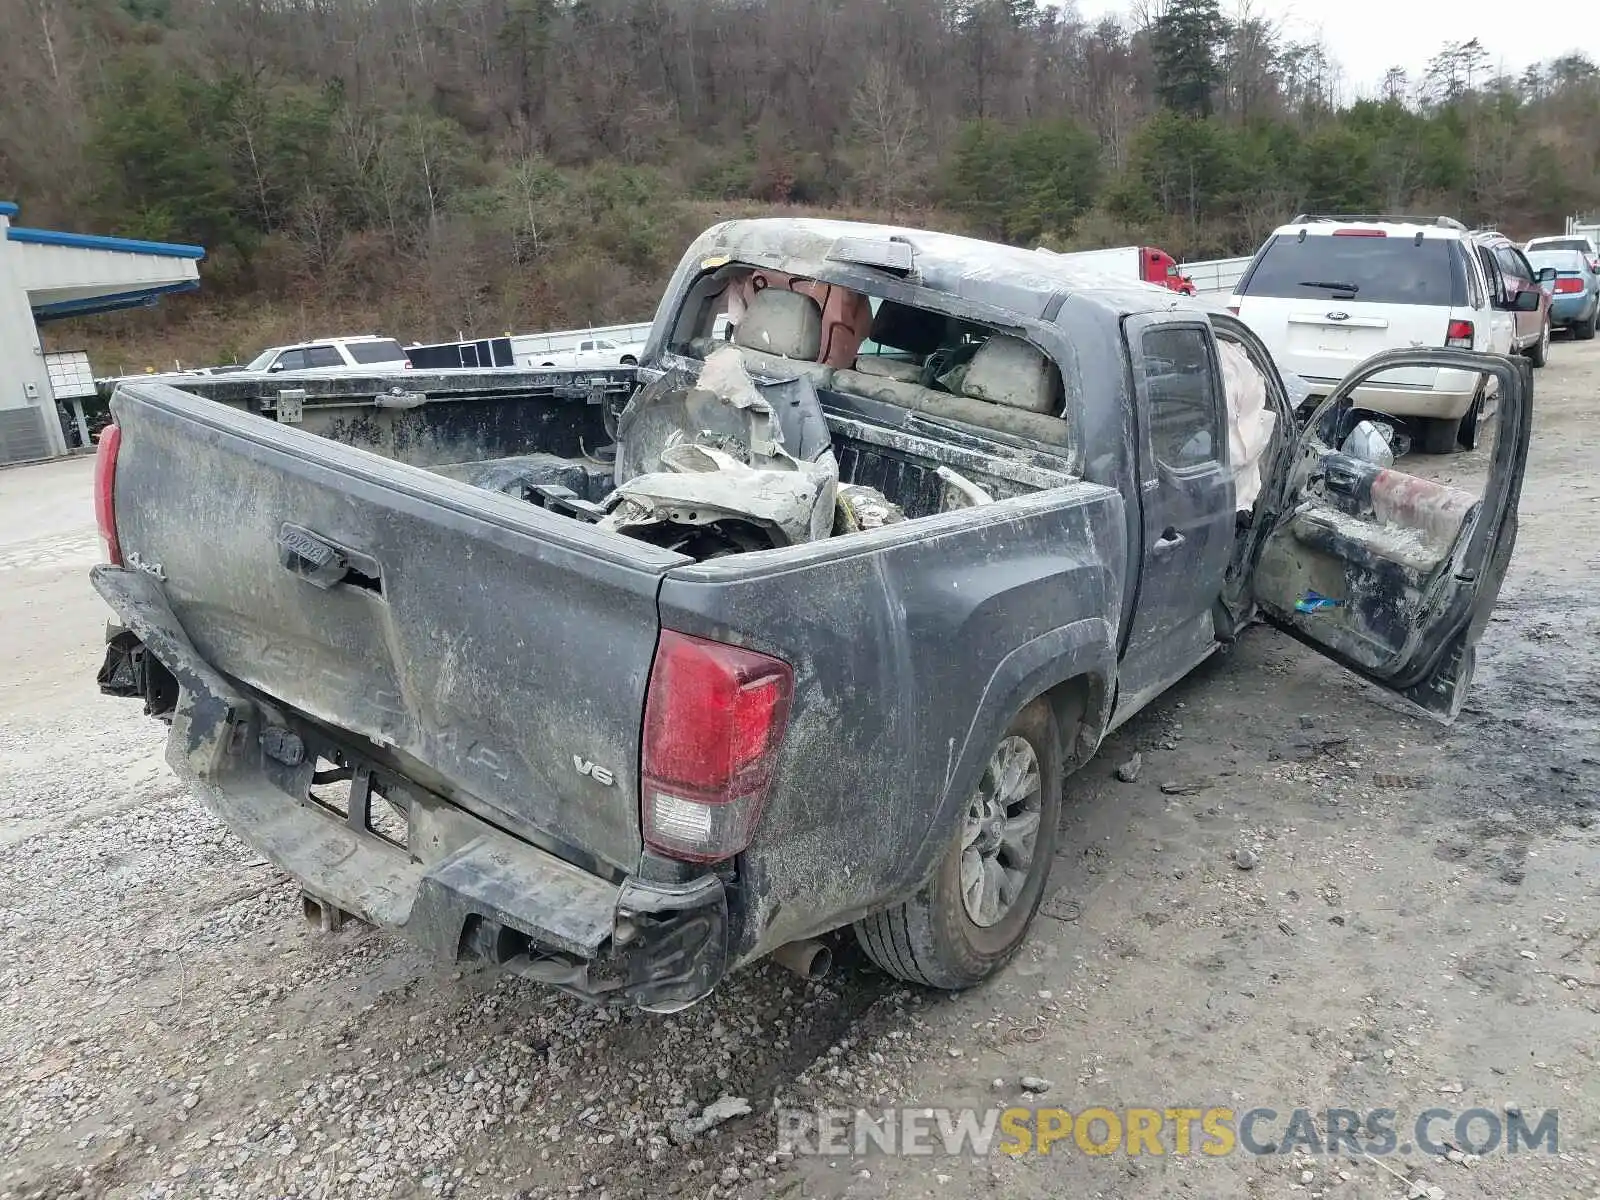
x=499, y=429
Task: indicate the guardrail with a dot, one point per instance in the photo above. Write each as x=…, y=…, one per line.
x=1214, y=275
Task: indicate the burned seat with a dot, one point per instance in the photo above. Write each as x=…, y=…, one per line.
x=1010, y=386
x=1013, y=373
x=781, y=336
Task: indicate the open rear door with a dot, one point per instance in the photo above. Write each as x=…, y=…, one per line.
x=1393, y=574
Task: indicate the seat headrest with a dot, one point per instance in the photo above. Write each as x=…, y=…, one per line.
x=1010, y=371
x=782, y=322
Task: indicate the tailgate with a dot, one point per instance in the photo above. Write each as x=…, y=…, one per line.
x=496, y=649
x=1331, y=341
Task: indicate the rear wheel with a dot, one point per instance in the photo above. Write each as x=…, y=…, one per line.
x=972, y=914
x=1584, y=330
x=1438, y=434
x=1539, y=352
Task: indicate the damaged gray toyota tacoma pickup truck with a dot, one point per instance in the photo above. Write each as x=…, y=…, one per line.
x=803, y=623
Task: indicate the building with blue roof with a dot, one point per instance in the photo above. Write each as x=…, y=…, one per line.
x=47, y=274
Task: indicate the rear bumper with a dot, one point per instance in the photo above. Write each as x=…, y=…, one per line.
x=458, y=887
x=1569, y=310
x=1449, y=398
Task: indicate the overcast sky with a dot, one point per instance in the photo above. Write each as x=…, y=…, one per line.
x=1367, y=37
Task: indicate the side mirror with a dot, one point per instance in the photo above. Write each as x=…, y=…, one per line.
x=1527, y=301
x=277, y=366
x=1546, y=275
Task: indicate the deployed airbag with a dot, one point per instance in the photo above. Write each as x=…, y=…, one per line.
x=1250, y=421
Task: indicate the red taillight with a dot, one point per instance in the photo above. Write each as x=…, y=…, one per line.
x=1459, y=335
x=713, y=721
x=105, y=483
x=1359, y=233
x=1569, y=285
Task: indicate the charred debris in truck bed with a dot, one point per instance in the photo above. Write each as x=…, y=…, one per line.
x=706, y=462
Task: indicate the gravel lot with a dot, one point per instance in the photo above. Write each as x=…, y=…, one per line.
x=1419, y=926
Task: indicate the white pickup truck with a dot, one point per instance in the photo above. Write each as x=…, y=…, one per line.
x=590, y=352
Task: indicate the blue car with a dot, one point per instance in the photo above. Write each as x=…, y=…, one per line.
x=1575, y=292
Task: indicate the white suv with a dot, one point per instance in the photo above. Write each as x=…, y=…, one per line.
x=1327, y=293
x=333, y=355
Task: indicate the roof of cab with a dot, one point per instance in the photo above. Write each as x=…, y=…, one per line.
x=1009, y=277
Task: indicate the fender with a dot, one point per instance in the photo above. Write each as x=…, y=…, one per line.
x=1085, y=648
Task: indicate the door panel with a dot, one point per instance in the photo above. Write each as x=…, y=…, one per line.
x=1186, y=500
x=1518, y=276
x=1388, y=573
x=1503, y=332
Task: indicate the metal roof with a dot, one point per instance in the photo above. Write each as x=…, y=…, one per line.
x=74, y=274
x=95, y=241
x=1005, y=276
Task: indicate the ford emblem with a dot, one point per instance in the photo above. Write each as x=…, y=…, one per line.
x=1338, y=316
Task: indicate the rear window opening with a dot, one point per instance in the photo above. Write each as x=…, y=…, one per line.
x=856, y=333
x=1362, y=270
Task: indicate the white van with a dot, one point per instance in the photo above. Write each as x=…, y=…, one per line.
x=1327, y=293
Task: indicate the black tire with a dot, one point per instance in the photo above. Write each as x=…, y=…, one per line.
x=1438, y=434
x=931, y=939
x=1584, y=330
x=1539, y=352
x=629, y=360
x=1467, y=431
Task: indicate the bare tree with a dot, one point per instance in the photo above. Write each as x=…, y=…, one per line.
x=1396, y=85
x=887, y=122
x=1249, y=61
